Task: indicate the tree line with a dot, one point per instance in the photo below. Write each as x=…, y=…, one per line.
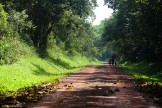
x=135, y=29
x=45, y=23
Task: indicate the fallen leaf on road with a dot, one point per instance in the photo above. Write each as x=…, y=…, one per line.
x=55, y=86
x=76, y=97
x=117, y=82
x=96, y=87
x=87, y=82
x=65, y=85
x=68, y=88
x=59, y=88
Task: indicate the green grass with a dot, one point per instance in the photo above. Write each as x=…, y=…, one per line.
x=32, y=70
x=144, y=70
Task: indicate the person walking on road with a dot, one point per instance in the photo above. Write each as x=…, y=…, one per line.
x=113, y=59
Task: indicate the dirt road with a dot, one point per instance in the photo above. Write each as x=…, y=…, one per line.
x=100, y=86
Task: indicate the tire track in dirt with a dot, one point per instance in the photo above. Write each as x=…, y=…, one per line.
x=101, y=86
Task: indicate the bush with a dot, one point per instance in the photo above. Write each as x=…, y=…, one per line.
x=11, y=46
x=13, y=49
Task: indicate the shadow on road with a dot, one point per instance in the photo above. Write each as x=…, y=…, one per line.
x=101, y=86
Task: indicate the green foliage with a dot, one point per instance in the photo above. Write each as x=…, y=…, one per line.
x=148, y=78
x=146, y=71
x=34, y=21
x=3, y=20
x=40, y=23
x=19, y=24
x=11, y=51
x=102, y=43
x=11, y=46
x=32, y=70
x=135, y=29
x=60, y=17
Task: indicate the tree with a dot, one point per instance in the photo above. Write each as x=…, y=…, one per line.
x=47, y=15
x=136, y=29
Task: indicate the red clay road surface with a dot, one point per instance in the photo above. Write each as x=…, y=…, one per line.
x=100, y=86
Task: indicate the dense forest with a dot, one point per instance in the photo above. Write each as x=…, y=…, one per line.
x=134, y=31
x=44, y=25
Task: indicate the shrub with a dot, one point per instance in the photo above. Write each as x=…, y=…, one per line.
x=11, y=46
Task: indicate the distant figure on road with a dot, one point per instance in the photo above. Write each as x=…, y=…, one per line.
x=113, y=59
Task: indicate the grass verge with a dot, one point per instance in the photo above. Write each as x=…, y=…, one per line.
x=32, y=70
x=149, y=79
x=143, y=70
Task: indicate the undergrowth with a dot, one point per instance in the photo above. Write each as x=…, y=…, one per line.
x=148, y=78
x=143, y=70
x=32, y=70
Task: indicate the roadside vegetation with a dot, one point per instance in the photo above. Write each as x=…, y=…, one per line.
x=148, y=78
x=149, y=72
x=33, y=70
x=43, y=41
